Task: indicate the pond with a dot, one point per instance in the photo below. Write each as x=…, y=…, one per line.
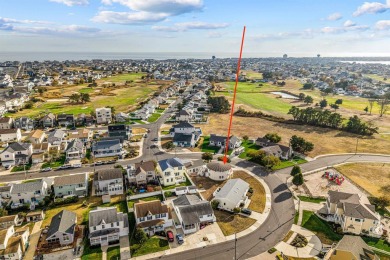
x=284, y=95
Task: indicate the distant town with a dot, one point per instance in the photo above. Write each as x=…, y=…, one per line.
x=123, y=159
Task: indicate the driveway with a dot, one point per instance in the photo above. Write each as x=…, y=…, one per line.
x=125, y=247
x=33, y=242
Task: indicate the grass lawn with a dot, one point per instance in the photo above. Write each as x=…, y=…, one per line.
x=165, y=132
x=248, y=146
x=91, y=253
x=377, y=243
x=21, y=168
x=296, y=217
x=139, y=121
x=114, y=253
x=231, y=223
x=186, y=183
x=258, y=197
x=152, y=245
x=321, y=228
x=130, y=203
x=373, y=177
x=122, y=77
x=57, y=163
x=154, y=117
x=288, y=163
x=206, y=148
x=159, y=110
x=312, y=200
x=86, y=90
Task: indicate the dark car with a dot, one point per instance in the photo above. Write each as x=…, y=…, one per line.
x=180, y=239
x=246, y=211
x=170, y=236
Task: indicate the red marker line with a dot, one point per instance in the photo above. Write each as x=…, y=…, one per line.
x=234, y=98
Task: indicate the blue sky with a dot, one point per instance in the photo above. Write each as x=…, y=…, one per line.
x=295, y=27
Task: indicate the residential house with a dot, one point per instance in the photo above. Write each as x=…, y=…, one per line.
x=10, y=220
x=36, y=136
x=62, y=228
x=152, y=216
x=7, y=135
x=281, y=151
x=12, y=244
x=220, y=141
x=107, y=148
x=232, y=195
x=48, y=120
x=24, y=123
x=183, y=115
x=142, y=114
x=71, y=185
x=6, y=122
x=355, y=214
x=185, y=134
x=193, y=212
x=218, y=171
x=122, y=117
x=263, y=142
x=34, y=216
x=108, y=181
x=16, y=154
x=351, y=247
x=103, y=115
x=75, y=150
x=65, y=120
x=40, y=150
x=142, y=173
x=122, y=132
x=171, y=171
x=56, y=137
x=196, y=167
x=83, y=134
x=4, y=191
x=107, y=225
x=28, y=193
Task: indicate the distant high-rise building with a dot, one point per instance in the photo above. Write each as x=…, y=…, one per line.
x=318, y=55
x=213, y=57
x=285, y=56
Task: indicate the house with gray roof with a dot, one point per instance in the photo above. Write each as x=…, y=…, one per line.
x=71, y=185
x=220, y=141
x=48, y=120
x=171, y=171
x=351, y=247
x=28, y=193
x=107, y=148
x=196, y=167
x=106, y=225
x=232, y=195
x=62, y=228
x=142, y=173
x=75, y=150
x=353, y=213
x=193, y=212
x=56, y=137
x=16, y=154
x=24, y=123
x=281, y=151
x=185, y=134
x=108, y=182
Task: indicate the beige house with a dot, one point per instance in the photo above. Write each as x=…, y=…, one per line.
x=6, y=122
x=36, y=136
x=7, y=135
x=351, y=247
x=353, y=214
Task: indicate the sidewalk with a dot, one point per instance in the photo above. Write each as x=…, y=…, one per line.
x=260, y=218
x=34, y=238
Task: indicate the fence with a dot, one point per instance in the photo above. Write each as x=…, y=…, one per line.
x=143, y=195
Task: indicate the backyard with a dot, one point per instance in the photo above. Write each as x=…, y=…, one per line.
x=206, y=148
x=55, y=163
x=232, y=223
x=154, y=117
x=152, y=245
x=321, y=228
x=91, y=253
x=130, y=203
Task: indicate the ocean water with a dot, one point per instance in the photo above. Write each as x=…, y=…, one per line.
x=369, y=62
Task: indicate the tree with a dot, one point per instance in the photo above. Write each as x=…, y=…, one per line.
x=267, y=75
x=207, y=157
x=298, y=179
x=301, y=145
x=256, y=155
x=301, y=96
x=308, y=86
x=308, y=100
x=219, y=104
x=384, y=103
x=245, y=138
x=54, y=82
x=366, y=109
x=273, y=137
x=334, y=106
x=371, y=103
x=84, y=97
x=74, y=98
x=295, y=170
x=140, y=235
x=323, y=103
x=270, y=161
x=380, y=202
x=41, y=90
x=3, y=212
x=338, y=101
x=357, y=126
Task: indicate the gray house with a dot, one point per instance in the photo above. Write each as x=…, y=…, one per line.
x=55, y=137
x=71, y=185
x=62, y=228
x=220, y=141
x=107, y=148
x=75, y=150
x=24, y=123
x=48, y=121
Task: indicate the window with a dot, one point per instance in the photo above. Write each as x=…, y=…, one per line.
x=94, y=228
x=103, y=227
x=117, y=224
x=112, y=224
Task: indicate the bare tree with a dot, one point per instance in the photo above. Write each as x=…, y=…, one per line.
x=384, y=103
x=371, y=103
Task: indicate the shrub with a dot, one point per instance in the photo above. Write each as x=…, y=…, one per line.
x=272, y=250
x=236, y=210
x=215, y=204
x=168, y=194
x=68, y=200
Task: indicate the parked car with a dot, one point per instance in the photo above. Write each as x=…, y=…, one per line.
x=170, y=236
x=246, y=211
x=63, y=167
x=180, y=239
x=47, y=169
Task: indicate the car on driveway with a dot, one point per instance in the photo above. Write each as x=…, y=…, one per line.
x=47, y=169
x=170, y=236
x=180, y=239
x=246, y=211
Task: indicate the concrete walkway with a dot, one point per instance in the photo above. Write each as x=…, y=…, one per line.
x=260, y=218
x=34, y=238
x=307, y=206
x=312, y=248
x=125, y=247
x=104, y=252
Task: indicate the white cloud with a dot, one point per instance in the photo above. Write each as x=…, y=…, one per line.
x=182, y=27
x=382, y=25
x=171, y=7
x=334, y=30
x=133, y=18
x=334, y=17
x=10, y=20
x=71, y=2
x=372, y=8
x=349, y=23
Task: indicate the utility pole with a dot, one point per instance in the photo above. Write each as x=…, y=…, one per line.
x=235, y=245
x=357, y=141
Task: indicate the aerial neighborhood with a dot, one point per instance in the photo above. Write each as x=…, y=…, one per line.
x=123, y=159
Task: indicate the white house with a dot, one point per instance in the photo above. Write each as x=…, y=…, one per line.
x=106, y=148
x=218, y=171
x=7, y=135
x=232, y=195
x=75, y=150
x=16, y=154
x=193, y=213
x=152, y=216
x=103, y=115
x=62, y=228
x=220, y=141
x=171, y=171
x=6, y=122
x=108, y=182
x=12, y=244
x=107, y=225
x=196, y=167
x=28, y=192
